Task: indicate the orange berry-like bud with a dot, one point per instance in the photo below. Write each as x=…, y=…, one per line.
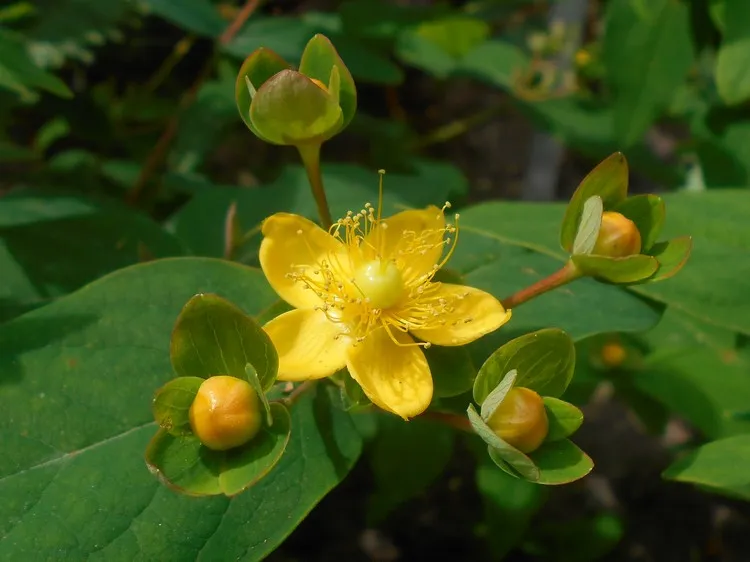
x=521, y=420
x=618, y=237
x=226, y=413
x=613, y=354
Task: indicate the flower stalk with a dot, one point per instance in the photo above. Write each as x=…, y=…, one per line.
x=310, y=154
x=569, y=272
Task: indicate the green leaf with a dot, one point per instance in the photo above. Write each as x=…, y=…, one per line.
x=500, y=451
x=52, y=244
x=258, y=68
x=495, y=61
x=588, y=228
x=647, y=51
x=723, y=146
x=423, y=450
x=545, y=361
x=456, y=35
x=318, y=59
x=561, y=462
x=648, y=213
x=284, y=35
x=564, y=418
x=251, y=375
x=197, y=16
x=704, y=288
x=609, y=180
x=92, y=361
x=700, y=383
x=20, y=74
x=720, y=466
x=672, y=256
x=452, y=370
x=629, y=269
x=498, y=394
x=184, y=464
x=367, y=64
x=419, y=52
x=213, y=337
x=733, y=61
x=172, y=403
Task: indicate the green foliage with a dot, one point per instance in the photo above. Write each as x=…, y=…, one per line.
x=122, y=154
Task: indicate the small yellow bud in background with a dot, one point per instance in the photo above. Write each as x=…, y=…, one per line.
x=226, y=413
x=613, y=354
x=618, y=237
x=521, y=420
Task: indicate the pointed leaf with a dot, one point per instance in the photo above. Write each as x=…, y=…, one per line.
x=258, y=69
x=720, y=465
x=648, y=213
x=564, y=418
x=561, y=462
x=172, y=404
x=630, y=269
x=609, y=180
x=214, y=337
x=672, y=256
x=318, y=58
x=515, y=458
x=498, y=394
x=545, y=361
x=252, y=377
x=588, y=229
x=190, y=468
x=499, y=462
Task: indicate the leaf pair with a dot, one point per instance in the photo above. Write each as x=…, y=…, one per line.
x=544, y=362
x=605, y=189
x=213, y=337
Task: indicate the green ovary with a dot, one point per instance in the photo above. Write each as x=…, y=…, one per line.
x=380, y=282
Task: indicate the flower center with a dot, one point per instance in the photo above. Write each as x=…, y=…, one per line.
x=381, y=283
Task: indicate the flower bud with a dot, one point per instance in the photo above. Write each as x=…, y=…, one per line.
x=520, y=420
x=226, y=413
x=618, y=237
x=296, y=107
x=613, y=355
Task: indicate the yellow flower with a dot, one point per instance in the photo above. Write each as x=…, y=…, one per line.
x=360, y=290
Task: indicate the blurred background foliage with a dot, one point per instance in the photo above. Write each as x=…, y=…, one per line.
x=106, y=106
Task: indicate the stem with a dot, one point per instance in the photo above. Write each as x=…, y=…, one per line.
x=454, y=420
x=569, y=272
x=310, y=154
x=239, y=20
x=298, y=392
x=458, y=127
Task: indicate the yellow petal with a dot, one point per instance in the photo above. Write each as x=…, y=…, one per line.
x=396, y=239
x=474, y=314
x=395, y=377
x=307, y=344
x=293, y=244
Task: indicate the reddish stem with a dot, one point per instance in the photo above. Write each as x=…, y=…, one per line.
x=565, y=275
x=454, y=420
